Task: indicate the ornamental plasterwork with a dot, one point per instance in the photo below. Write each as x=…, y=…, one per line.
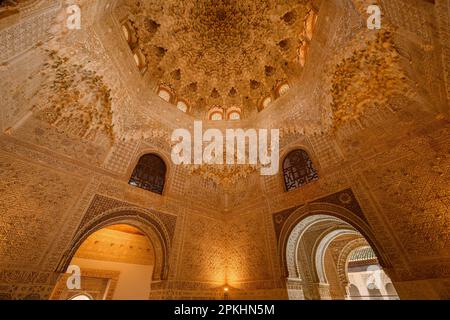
x=223, y=52
x=367, y=79
x=74, y=99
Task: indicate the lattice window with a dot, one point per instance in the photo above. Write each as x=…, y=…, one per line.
x=298, y=170
x=149, y=174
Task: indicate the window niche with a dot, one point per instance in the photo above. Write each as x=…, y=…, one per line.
x=149, y=174
x=298, y=170
x=182, y=106
x=234, y=113
x=216, y=114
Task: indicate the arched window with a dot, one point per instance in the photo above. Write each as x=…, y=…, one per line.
x=353, y=292
x=140, y=60
x=234, y=113
x=149, y=174
x=129, y=33
x=310, y=24
x=302, y=52
x=165, y=94
x=216, y=113
x=126, y=33
x=265, y=103
x=182, y=106
x=283, y=89
x=216, y=116
x=298, y=170
x=81, y=297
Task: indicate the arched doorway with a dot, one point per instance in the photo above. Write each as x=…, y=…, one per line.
x=116, y=262
x=149, y=173
x=81, y=297
x=328, y=257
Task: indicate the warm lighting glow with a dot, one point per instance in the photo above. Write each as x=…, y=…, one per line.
x=283, y=89
x=81, y=297
x=137, y=60
x=126, y=33
x=216, y=116
x=216, y=113
x=182, y=106
x=234, y=115
x=266, y=102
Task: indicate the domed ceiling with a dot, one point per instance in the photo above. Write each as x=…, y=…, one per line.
x=220, y=53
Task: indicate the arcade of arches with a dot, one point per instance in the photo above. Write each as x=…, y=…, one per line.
x=360, y=208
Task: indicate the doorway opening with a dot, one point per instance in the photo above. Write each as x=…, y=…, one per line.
x=329, y=258
x=113, y=263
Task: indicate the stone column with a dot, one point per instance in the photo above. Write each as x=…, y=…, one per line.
x=294, y=289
